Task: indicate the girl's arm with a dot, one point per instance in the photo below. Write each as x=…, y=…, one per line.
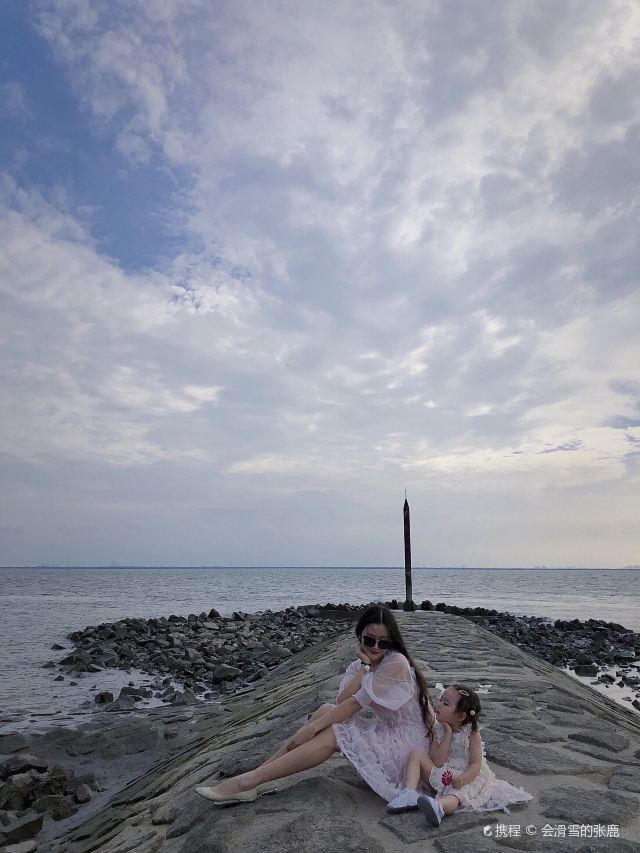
x=339, y=714
x=475, y=761
x=440, y=751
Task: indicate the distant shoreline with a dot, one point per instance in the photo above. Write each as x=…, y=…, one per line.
x=342, y=568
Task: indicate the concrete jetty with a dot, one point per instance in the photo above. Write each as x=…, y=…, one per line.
x=577, y=752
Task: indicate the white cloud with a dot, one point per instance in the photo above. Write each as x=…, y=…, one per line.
x=13, y=101
x=395, y=257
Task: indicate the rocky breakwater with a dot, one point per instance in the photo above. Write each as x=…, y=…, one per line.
x=30, y=789
x=605, y=651
x=208, y=654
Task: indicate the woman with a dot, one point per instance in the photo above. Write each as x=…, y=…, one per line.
x=383, y=679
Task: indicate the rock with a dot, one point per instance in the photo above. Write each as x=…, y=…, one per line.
x=464, y=842
x=535, y=760
x=22, y=847
x=578, y=805
x=15, y=793
x=188, y=697
x=56, y=647
x=20, y=763
x=103, y=698
x=57, y=806
x=21, y=830
x=82, y=794
x=586, y=670
x=626, y=779
x=193, y=811
x=608, y=740
x=223, y=672
x=122, y=703
x=317, y=833
x=12, y=743
x=279, y=652
x=139, y=692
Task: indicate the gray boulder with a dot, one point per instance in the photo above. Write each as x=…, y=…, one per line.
x=21, y=830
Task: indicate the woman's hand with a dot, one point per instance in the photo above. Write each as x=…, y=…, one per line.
x=303, y=735
x=457, y=782
x=447, y=730
x=362, y=655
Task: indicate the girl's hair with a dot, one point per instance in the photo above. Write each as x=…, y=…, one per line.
x=470, y=704
x=376, y=614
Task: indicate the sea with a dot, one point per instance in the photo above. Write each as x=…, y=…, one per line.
x=40, y=606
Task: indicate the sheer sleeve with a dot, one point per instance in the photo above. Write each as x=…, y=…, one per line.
x=350, y=672
x=390, y=685
x=438, y=732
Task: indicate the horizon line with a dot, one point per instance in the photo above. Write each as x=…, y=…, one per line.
x=311, y=566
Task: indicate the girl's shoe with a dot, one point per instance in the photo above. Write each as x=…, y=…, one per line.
x=431, y=809
x=406, y=801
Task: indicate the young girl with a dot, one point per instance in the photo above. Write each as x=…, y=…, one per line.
x=456, y=767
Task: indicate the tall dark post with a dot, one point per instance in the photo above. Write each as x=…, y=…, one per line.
x=408, y=602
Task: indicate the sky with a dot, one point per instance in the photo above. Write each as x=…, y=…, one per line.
x=266, y=264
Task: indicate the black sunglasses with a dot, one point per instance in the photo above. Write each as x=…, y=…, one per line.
x=370, y=642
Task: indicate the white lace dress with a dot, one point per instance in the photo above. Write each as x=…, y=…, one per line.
x=485, y=793
x=378, y=743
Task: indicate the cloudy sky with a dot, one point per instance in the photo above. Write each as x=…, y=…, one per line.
x=265, y=264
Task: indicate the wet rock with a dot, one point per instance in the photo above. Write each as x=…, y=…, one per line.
x=586, y=670
x=12, y=743
x=122, y=703
x=202, y=652
x=103, y=698
x=140, y=692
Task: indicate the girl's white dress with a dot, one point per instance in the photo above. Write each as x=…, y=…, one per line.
x=485, y=793
x=378, y=744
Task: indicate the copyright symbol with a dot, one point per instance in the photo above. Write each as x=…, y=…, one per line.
x=487, y=830
x=531, y=829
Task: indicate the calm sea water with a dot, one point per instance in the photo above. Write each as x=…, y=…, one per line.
x=41, y=606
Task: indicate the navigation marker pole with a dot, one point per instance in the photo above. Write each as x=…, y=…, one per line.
x=408, y=602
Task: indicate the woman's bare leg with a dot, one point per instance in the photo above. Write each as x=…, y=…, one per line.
x=310, y=754
x=281, y=751
x=323, y=709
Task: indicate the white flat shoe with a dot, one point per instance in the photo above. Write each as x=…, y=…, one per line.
x=240, y=797
x=229, y=799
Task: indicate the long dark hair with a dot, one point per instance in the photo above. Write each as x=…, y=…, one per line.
x=377, y=614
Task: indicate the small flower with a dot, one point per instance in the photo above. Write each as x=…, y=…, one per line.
x=446, y=778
